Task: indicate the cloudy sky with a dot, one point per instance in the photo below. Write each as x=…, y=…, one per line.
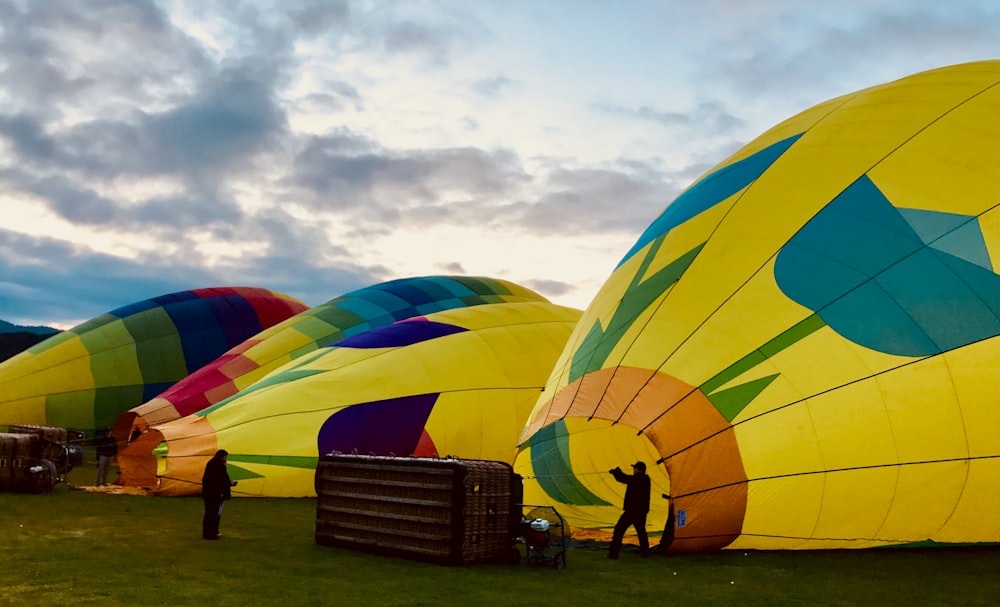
x=317, y=146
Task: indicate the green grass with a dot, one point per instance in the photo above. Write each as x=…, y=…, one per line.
x=79, y=548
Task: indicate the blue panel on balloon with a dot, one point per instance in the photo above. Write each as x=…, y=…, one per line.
x=408, y=292
x=385, y=427
x=153, y=390
x=710, y=191
x=134, y=308
x=237, y=318
x=202, y=339
x=400, y=334
x=899, y=282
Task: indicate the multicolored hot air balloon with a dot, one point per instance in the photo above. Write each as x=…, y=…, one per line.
x=349, y=314
x=455, y=383
x=84, y=378
x=805, y=346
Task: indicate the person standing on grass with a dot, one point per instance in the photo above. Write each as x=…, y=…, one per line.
x=215, y=489
x=635, y=508
x=107, y=449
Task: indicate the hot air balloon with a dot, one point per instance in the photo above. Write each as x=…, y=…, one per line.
x=343, y=316
x=455, y=383
x=803, y=346
x=84, y=378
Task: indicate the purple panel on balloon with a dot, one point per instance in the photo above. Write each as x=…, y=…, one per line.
x=399, y=334
x=384, y=427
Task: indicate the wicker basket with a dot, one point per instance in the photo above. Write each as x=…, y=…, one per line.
x=450, y=511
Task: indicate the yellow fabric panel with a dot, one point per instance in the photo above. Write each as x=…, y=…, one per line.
x=989, y=223
x=855, y=503
x=276, y=481
x=785, y=431
x=625, y=354
x=483, y=424
x=785, y=507
x=979, y=400
x=293, y=435
x=926, y=423
x=870, y=437
x=952, y=165
x=29, y=410
x=975, y=516
x=819, y=362
x=688, y=235
x=506, y=315
x=680, y=241
x=925, y=498
x=753, y=316
x=273, y=349
x=63, y=368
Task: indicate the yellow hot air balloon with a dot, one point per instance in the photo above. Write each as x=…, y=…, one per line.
x=804, y=345
x=456, y=383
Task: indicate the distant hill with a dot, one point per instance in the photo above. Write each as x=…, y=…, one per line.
x=8, y=327
x=14, y=339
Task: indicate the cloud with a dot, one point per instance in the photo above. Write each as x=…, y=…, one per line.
x=625, y=197
x=452, y=268
x=708, y=117
x=776, y=52
x=47, y=278
x=60, y=57
x=343, y=170
x=553, y=288
x=492, y=87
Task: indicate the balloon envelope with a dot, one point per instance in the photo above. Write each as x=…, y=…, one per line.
x=455, y=383
x=85, y=377
x=804, y=346
x=346, y=315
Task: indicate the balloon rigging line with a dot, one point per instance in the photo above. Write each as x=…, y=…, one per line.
x=822, y=392
x=831, y=471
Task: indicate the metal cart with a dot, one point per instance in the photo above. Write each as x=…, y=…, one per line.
x=545, y=536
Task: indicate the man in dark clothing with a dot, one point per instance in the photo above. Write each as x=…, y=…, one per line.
x=215, y=489
x=636, y=508
x=107, y=449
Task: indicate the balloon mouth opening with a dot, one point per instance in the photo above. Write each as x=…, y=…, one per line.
x=142, y=460
x=128, y=427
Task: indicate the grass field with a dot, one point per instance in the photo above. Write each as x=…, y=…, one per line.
x=80, y=548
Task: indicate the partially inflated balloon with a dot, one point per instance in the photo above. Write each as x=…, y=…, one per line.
x=805, y=343
x=349, y=314
x=84, y=378
x=455, y=383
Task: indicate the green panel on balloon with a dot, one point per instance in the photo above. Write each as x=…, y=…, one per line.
x=109, y=403
x=731, y=401
x=70, y=409
x=158, y=346
x=288, y=461
x=237, y=473
x=553, y=471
